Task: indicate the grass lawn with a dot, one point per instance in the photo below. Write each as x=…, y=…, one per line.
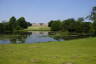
x=38, y=28
x=81, y=51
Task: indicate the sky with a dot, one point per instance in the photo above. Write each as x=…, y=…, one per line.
x=38, y=11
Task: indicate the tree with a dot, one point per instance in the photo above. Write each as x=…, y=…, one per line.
x=29, y=24
x=12, y=24
x=78, y=25
x=69, y=25
x=86, y=27
x=1, y=27
x=81, y=19
x=92, y=17
x=22, y=23
x=50, y=23
x=56, y=25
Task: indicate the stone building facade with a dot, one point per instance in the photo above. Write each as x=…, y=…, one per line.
x=39, y=24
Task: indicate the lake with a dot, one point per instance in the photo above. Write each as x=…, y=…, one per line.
x=28, y=37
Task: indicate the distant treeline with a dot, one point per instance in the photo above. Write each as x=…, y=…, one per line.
x=76, y=26
x=14, y=25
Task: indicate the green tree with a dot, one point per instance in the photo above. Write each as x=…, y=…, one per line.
x=69, y=25
x=22, y=23
x=81, y=19
x=78, y=25
x=12, y=24
x=50, y=23
x=92, y=17
x=87, y=27
x=56, y=25
x=1, y=28
x=29, y=24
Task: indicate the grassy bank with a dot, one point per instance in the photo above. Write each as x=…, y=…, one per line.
x=38, y=28
x=81, y=51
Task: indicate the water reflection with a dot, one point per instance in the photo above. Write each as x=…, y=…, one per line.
x=35, y=37
x=27, y=37
x=14, y=38
x=52, y=35
x=21, y=38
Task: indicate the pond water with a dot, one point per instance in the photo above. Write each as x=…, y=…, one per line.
x=28, y=37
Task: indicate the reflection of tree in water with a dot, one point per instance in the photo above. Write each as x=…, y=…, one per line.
x=13, y=40
x=53, y=35
x=21, y=38
x=57, y=38
x=42, y=32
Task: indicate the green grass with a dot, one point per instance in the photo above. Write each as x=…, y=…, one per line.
x=38, y=28
x=81, y=51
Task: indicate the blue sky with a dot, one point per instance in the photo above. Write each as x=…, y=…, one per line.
x=37, y=11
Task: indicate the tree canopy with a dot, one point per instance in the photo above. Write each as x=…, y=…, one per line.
x=14, y=24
